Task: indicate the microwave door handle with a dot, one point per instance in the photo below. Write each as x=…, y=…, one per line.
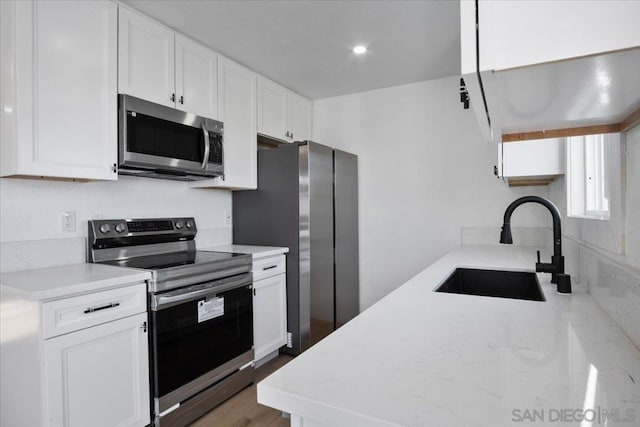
x=207, y=148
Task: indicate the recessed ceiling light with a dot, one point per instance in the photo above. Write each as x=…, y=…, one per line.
x=359, y=50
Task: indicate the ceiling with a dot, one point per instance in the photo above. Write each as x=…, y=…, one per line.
x=306, y=45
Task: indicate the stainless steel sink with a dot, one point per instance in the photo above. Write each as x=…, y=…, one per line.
x=493, y=283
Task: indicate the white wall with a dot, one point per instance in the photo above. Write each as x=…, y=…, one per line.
x=424, y=173
x=30, y=223
x=605, y=255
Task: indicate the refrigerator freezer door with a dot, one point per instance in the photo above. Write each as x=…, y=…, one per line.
x=346, y=237
x=320, y=226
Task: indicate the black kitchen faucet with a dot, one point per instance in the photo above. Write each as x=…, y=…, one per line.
x=556, y=266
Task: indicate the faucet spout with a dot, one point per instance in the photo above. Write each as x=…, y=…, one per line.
x=556, y=267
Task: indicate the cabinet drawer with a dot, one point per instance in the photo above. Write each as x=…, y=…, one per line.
x=71, y=314
x=267, y=267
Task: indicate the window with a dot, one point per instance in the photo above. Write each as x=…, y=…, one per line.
x=587, y=180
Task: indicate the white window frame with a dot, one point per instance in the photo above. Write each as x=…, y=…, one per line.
x=587, y=180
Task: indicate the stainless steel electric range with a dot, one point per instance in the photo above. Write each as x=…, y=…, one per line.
x=200, y=312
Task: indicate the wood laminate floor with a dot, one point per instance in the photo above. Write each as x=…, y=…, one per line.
x=243, y=410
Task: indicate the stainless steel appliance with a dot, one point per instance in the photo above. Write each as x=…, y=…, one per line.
x=161, y=142
x=200, y=312
x=307, y=200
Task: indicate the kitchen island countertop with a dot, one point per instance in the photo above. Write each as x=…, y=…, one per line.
x=424, y=358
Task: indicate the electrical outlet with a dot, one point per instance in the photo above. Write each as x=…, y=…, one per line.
x=227, y=217
x=68, y=221
x=289, y=340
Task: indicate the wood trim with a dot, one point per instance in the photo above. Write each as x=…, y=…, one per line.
x=528, y=182
x=561, y=133
x=632, y=120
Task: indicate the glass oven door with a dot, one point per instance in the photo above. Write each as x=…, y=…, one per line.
x=196, y=332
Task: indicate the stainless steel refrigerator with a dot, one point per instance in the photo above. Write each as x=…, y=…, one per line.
x=307, y=200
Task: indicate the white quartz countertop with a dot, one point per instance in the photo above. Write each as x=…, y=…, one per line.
x=424, y=358
x=64, y=281
x=255, y=251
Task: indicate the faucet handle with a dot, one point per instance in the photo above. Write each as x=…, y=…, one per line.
x=538, y=253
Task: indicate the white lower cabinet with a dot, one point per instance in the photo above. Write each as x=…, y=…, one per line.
x=99, y=376
x=269, y=307
x=75, y=361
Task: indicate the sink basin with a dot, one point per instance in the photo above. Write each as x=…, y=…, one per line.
x=493, y=283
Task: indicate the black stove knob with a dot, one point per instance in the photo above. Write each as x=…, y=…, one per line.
x=190, y=224
x=179, y=225
x=121, y=227
x=105, y=228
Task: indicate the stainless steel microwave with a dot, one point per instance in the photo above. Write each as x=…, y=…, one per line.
x=161, y=142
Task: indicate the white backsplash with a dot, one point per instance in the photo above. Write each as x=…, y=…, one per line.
x=538, y=237
x=30, y=222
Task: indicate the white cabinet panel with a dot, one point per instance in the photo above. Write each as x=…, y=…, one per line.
x=270, y=266
x=237, y=107
x=541, y=157
x=99, y=376
x=61, y=97
x=269, y=315
x=196, y=78
x=146, y=59
x=299, y=117
x=521, y=33
x=272, y=109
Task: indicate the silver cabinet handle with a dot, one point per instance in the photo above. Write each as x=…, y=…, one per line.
x=173, y=97
x=269, y=268
x=101, y=307
x=291, y=135
x=206, y=147
x=181, y=101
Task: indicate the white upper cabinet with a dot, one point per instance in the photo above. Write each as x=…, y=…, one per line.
x=520, y=33
x=161, y=66
x=551, y=66
x=237, y=107
x=146, y=59
x=535, y=162
x=272, y=109
x=196, y=78
x=59, y=89
x=282, y=114
x=299, y=117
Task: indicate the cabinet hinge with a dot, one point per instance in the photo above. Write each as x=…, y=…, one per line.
x=114, y=168
x=144, y=326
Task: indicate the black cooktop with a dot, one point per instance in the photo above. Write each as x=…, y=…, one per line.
x=175, y=259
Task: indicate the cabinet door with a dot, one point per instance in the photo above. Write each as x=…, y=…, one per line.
x=146, y=58
x=66, y=78
x=237, y=107
x=269, y=315
x=99, y=376
x=196, y=78
x=299, y=117
x=272, y=109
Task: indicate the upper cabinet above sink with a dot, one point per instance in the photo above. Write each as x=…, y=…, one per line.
x=552, y=69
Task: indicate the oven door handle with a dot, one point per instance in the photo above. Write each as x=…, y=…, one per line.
x=166, y=300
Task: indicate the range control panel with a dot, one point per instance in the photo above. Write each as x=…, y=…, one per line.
x=104, y=231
